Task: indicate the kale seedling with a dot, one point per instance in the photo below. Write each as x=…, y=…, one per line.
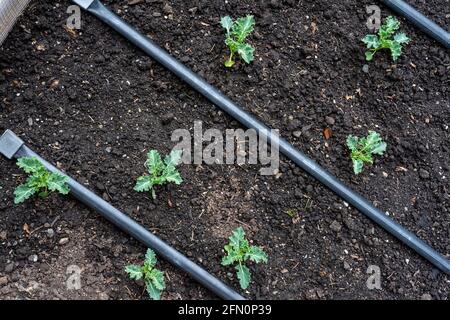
x=153, y=278
x=237, y=32
x=238, y=251
x=160, y=172
x=386, y=39
x=363, y=148
x=40, y=181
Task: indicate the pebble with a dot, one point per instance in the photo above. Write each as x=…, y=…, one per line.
x=30, y=122
x=426, y=296
x=3, y=281
x=50, y=233
x=167, y=9
x=108, y=149
x=346, y=265
x=365, y=68
x=297, y=134
x=167, y=118
x=33, y=258
x=330, y=120
x=9, y=267
x=335, y=226
x=63, y=241
x=424, y=174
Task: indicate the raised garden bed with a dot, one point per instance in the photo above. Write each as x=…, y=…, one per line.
x=95, y=104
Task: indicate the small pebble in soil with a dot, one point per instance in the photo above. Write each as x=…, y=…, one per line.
x=33, y=258
x=167, y=9
x=346, y=265
x=9, y=267
x=50, y=233
x=167, y=118
x=63, y=241
x=424, y=174
x=335, y=226
x=426, y=296
x=3, y=281
x=297, y=134
x=108, y=149
x=330, y=120
x=30, y=122
x=365, y=68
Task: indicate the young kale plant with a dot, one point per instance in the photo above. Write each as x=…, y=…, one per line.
x=153, y=278
x=362, y=149
x=237, y=32
x=238, y=252
x=161, y=172
x=40, y=181
x=387, y=38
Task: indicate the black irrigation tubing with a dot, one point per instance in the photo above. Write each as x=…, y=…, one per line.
x=419, y=20
x=96, y=8
x=12, y=146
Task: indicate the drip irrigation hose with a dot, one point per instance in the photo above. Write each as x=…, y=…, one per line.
x=216, y=97
x=12, y=146
x=419, y=20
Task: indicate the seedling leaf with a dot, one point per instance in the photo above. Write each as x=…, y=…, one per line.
x=23, y=193
x=153, y=278
x=362, y=149
x=243, y=274
x=237, y=32
x=238, y=250
x=40, y=181
x=134, y=271
x=58, y=182
x=386, y=39
x=160, y=172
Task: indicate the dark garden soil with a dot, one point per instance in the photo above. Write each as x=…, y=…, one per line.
x=92, y=103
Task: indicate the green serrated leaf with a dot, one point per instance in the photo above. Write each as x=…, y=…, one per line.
x=157, y=278
x=30, y=164
x=227, y=23
x=389, y=27
x=372, y=41
x=154, y=161
x=134, y=271
x=174, y=158
x=237, y=237
x=256, y=254
x=357, y=166
x=152, y=291
x=23, y=192
x=352, y=142
x=143, y=184
x=229, y=259
x=246, y=52
x=380, y=148
x=396, y=50
x=243, y=274
x=172, y=175
x=150, y=258
x=58, y=182
x=401, y=38
x=243, y=27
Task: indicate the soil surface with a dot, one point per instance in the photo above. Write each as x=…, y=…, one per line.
x=93, y=104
